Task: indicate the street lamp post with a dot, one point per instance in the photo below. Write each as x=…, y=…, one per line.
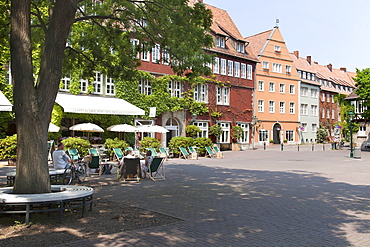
x=254, y=122
x=351, y=118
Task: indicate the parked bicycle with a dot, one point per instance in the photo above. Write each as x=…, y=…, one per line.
x=75, y=171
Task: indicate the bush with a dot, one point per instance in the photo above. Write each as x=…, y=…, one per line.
x=8, y=147
x=215, y=130
x=149, y=142
x=115, y=143
x=237, y=132
x=192, y=130
x=322, y=135
x=180, y=141
x=82, y=145
x=201, y=143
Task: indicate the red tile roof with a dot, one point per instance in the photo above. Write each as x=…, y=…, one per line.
x=258, y=41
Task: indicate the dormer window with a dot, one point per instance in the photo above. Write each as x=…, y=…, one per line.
x=277, y=48
x=220, y=41
x=240, y=47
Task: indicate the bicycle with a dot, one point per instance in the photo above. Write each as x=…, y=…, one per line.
x=74, y=171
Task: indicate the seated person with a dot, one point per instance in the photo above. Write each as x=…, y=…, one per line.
x=60, y=159
x=129, y=156
x=147, y=161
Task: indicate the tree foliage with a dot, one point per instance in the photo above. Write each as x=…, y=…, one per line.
x=363, y=88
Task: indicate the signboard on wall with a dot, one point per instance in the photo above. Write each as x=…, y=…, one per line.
x=152, y=111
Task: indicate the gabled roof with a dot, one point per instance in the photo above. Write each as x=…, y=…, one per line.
x=302, y=64
x=257, y=42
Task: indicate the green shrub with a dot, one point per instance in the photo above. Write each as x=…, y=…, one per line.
x=192, y=130
x=215, y=130
x=237, y=132
x=322, y=135
x=115, y=143
x=82, y=145
x=149, y=142
x=8, y=147
x=201, y=143
x=180, y=141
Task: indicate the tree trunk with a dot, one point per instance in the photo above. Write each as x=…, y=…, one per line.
x=33, y=102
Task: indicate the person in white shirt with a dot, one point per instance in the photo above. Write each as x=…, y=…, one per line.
x=60, y=159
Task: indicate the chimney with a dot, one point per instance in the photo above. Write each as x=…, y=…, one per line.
x=296, y=54
x=316, y=62
x=309, y=59
x=330, y=67
x=343, y=69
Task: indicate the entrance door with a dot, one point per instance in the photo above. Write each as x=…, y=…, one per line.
x=172, y=126
x=276, y=133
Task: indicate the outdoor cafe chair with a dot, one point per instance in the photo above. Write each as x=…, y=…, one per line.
x=118, y=153
x=210, y=152
x=163, y=153
x=93, y=152
x=219, y=154
x=156, y=169
x=193, y=153
x=184, y=153
x=73, y=153
x=131, y=168
x=154, y=153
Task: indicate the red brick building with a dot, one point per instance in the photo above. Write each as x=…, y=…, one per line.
x=229, y=101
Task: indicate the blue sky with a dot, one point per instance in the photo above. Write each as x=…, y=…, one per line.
x=331, y=31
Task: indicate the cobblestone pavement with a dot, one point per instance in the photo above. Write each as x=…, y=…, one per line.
x=252, y=198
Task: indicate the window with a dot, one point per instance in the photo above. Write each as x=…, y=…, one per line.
x=216, y=66
x=271, y=106
x=332, y=99
x=225, y=136
x=135, y=46
x=84, y=84
x=313, y=110
x=323, y=97
x=175, y=89
x=98, y=83
x=244, y=70
x=261, y=105
x=110, y=86
x=300, y=74
x=308, y=76
x=240, y=47
x=282, y=88
x=304, y=91
x=220, y=41
x=200, y=93
x=165, y=57
x=292, y=108
x=289, y=135
x=203, y=126
x=66, y=82
x=328, y=98
x=292, y=89
x=156, y=51
x=313, y=77
x=314, y=127
x=276, y=67
x=288, y=69
x=323, y=113
x=223, y=95
x=361, y=131
x=145, y=87
x=265, y=65
x=245, y=137
x=223, y=66
x=272, y=87
x=304, y=127
x=263, y=135
x=145, y=55
x=230, y=68
x=304, y=75
x=237, y=69
x=332, y=114
x=277, y=48
x=261, y=86
x=249, y=70
x=314, y=93
x=282, y=107
x=304, y=109
x=328, y=113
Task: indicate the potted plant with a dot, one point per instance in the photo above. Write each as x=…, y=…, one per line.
x=237, y=132
x=8, y=149
x=215, y=131
x=285, y=141
x=272, y=142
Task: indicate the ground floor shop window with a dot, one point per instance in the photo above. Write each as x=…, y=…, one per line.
x=263, y=135
x=289, y=135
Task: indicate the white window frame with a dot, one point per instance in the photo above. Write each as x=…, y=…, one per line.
x=261, y=86
x=225, y=136
x=265, y=65
x=249, y=72
x=314, y=110
x=245, y=137
x=223, y=66
x=288, y=69
x=98, y=83
x=243, y=68
x=264, y=134
x=323, y=97
x=362, y=131
x=282, y=87
x=261, y=105
x=201, y=93
x=289, y=135
x=282, y=107
x=304, y=126
x=304, y=109
x=135, y=45
x=271, y=106
x=332, y=114
x=304, y=91
x=314, y=127
x=314, y=93
x=272, y=87
x=277, y=48
x=276, y=67
x=109, y=86
x=291, y=89
x=165, y=57
x=66, y=83
x=237, y=69
x=175, y=89
x=292, y=108
x=145, y=87
x=323, y=113
x=240, y=47
x=156, y=53
x=216, y=66
x=230, y=68
x=220, y=41
x=328, y=98
x=83, y=85
x=145, y=55
x=223, y=95
x=203, y=126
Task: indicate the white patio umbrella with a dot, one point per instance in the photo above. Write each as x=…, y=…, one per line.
x=122, y=128
x=86, y=127
x=53, y=128
x=152, y=129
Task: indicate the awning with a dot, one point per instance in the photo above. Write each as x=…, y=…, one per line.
x=5, y=104
x=96, y=105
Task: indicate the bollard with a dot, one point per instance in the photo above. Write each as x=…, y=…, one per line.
x=282, y=146
x=264, y=146
x=298, y=147
x=323, y=147
x=313, y=147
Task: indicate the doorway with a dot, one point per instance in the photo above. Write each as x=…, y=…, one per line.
x=276, y=133
x=172, y=125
